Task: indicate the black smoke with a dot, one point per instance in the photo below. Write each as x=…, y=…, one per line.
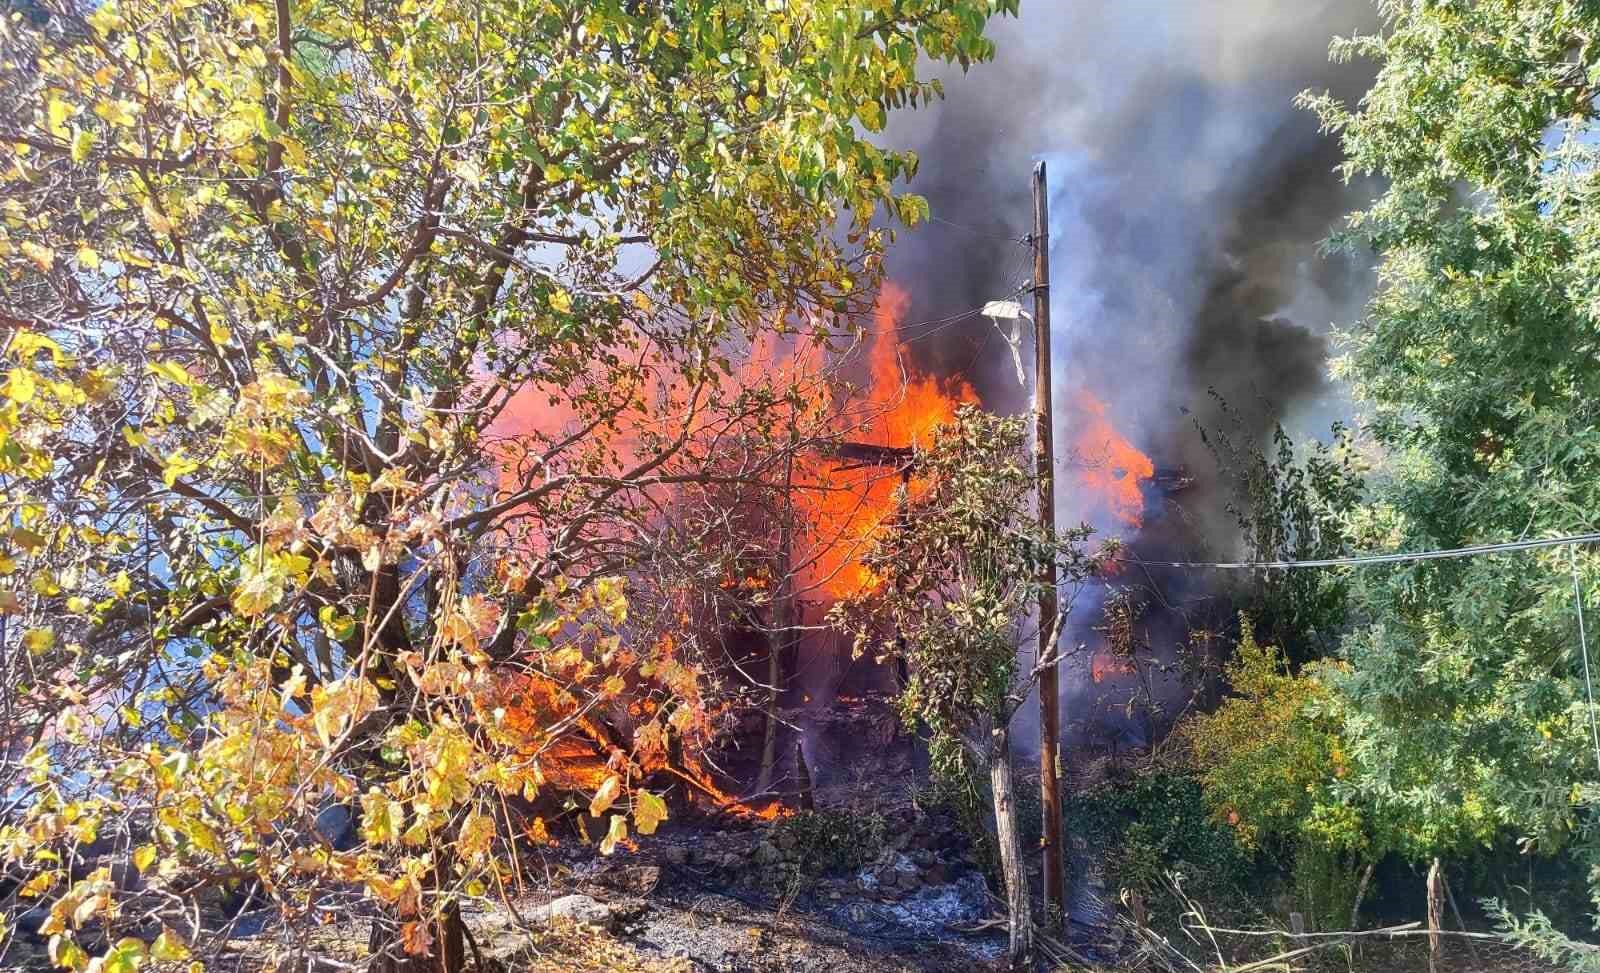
x=1189, y=199
x=1189, y=202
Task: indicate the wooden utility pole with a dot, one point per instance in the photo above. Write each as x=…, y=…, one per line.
x=1044, y=456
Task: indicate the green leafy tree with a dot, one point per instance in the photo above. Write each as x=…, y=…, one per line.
x=1277, y=769
x=1477, y=361
x=349, y=344
x=957, y=579
x=1292, y=503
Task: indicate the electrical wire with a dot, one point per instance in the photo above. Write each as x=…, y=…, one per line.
x=976, y=232
x=1583, y=645
x=1362, y=560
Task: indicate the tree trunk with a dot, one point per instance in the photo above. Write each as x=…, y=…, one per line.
x=769, y=740
x=447, y=955
x=782, y=619
x=1361, y=894
x=1010, y=845
x=807, y=797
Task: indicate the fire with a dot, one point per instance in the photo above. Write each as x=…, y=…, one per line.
x=905, y=406
x=580, y=760
x=900, y=407
x=1110, y=469
x=1105, y=663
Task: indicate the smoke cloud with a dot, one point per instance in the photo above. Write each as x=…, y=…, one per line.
x=1188, y=201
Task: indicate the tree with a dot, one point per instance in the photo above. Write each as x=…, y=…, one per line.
x=1477, y=361
x=956, y=582
x=1273, y=763
x=349, y=346
x=1292, y=503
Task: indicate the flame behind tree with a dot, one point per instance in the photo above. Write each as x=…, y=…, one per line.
x=1110, y=471
x=900, y=407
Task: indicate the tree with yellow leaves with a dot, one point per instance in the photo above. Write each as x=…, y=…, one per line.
x=347, y=344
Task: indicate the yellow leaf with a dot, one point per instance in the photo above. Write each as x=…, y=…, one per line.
x=21, y=386
x=121, y=584
x=67, y=954
x=56, y=114
x=42, y=257
x=126, y=956
x=560, y=300
x=82, y=142
x=88, y=907
x=157, y=221
x=38, y=640
x=617, y=833
x=116, y=111
x=88, y=259
x=26, y=344
x=382, y=818
x=105, y=18
x=169, y=947
x=648, y=812
x=477, y=834
x=143, y=857
x=220, y=334
x=37, y=885
x=605, y=796
x=172, y=372
x=177, y=465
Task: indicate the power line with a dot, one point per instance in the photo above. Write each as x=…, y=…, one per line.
x=976, y=232
x=1362, y=560
x=1583, y=645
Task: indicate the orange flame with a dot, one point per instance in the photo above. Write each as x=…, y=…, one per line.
x=901, y=406
x=1110, y=469
x=1105, y=663
x=906, y=405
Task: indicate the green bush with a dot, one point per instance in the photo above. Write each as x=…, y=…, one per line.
x=1151, y=825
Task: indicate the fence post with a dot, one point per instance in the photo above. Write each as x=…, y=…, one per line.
x=1435, y=913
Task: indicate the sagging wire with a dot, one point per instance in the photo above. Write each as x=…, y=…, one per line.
x=1583, y=645
x=1361, y=560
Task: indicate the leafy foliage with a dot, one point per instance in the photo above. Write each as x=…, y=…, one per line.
x=348, y=347
x=833, y=840
x=1268, y=757
x=958, y=579
x=1477, y=359
x=1155, y=824
x=1292, y=504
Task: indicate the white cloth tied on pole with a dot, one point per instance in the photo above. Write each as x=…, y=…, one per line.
x=1012, y=311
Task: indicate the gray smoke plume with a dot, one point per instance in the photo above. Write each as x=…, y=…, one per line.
x=1188, y=200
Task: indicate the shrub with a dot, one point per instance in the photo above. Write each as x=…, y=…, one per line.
x=833, y=840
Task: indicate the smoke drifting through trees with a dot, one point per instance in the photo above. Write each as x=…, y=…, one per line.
x=1189, y=199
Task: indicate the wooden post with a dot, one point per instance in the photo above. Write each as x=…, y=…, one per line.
x=1435, y=914
x=807, y=798
x=1044, y=458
